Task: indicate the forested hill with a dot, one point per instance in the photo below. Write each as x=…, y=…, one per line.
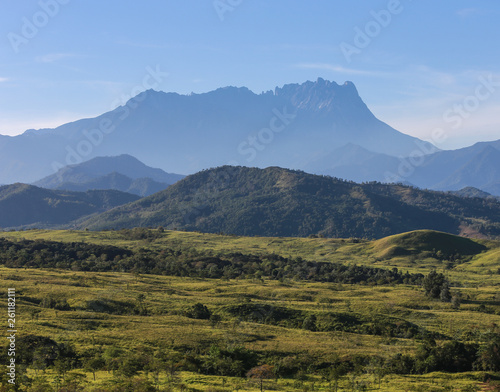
x=24, y=206
x=281, y=202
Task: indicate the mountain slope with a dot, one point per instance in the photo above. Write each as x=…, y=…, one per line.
x=288, y=127
x=140, y=187
x=472, y=192
x=354, y=163
x=280, y=202
x=476, y=166
x=481, y=169
x=23, y=205
x=95, y=168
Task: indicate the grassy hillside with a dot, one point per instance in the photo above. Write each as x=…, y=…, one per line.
x=439, y=245
x=182, y=330
x=280, y=202
x=413, y=253
x=127, y=316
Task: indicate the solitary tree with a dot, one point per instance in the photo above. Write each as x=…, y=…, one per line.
x=336, y=373
x=261, y=373
x=436, y=286
x=94, y=364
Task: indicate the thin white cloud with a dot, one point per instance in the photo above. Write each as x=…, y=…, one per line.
x=17, y=126
x=481, y=125
x=4, y=80
x=148, y=45
x=299, y=47
x=432, y=76
x=336, y=69
x=466, y=12
x=54, y=57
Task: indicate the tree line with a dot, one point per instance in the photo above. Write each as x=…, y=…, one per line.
x=79, y=256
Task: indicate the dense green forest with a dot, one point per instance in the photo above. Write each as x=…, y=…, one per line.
x=98, y=258
x=280, y=202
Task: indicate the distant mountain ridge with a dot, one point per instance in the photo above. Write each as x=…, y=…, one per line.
x=281, y=202
x=287, y=127
x=477, y=166
x=124, y=173
x=319, y=126
x=141, y=186
x=24, y=206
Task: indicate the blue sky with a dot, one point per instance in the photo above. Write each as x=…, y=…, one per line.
x=420, y=60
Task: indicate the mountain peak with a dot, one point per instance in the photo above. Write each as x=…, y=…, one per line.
x=348, y=85
x=94, y=168
x=150, y=97
x=233, y=89
x=471, y=191
x=321, y=95
x=187, y=133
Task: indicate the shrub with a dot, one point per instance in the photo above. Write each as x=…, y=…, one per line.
x=199, y=311
x=436, y=286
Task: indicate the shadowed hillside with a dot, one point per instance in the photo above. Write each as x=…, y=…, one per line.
x=26, y=205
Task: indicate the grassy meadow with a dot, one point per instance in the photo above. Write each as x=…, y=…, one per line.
x=138, y=331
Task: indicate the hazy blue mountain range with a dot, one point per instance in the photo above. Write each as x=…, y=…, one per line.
x=24, y=206
x=124, y=173
x=289, y=127
x=476, y=166
x=281, y=202
x=140, y=187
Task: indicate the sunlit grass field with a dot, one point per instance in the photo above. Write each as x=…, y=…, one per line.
x=164, y=325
